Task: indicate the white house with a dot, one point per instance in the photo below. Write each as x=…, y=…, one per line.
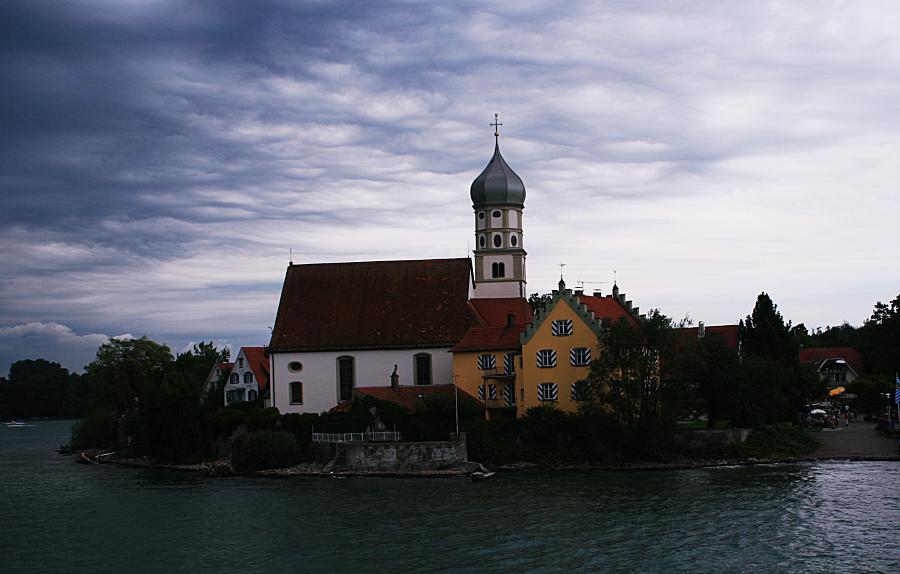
x=249, y=378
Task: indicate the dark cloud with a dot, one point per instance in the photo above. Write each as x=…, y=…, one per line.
x=160, y=159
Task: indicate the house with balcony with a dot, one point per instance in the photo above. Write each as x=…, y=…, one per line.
x=486, y=360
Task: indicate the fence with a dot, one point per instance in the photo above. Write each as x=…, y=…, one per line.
x=335, y=437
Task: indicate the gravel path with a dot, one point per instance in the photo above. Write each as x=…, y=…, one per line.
x=860, y=439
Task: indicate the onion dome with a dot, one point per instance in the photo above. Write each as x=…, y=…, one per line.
x=498, y=184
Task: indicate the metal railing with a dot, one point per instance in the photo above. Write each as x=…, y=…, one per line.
x=335, y=437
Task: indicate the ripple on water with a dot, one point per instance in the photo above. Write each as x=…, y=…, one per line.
x=825, y=517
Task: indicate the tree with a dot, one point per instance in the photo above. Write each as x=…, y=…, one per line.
x=538, y=301
x=707, y=368
x=40, y=388
x=765, y=333
x=124, y=368
x=626, y=376
x=881, y=350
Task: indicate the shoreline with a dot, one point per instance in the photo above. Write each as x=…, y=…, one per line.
x=223, y=469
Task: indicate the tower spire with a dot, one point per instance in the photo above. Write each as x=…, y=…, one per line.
x=496, y=125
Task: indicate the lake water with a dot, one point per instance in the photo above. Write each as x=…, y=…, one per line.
x=58, y=516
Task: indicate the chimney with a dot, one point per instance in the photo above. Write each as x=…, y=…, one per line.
x=395, y=379
x=597, y=293
x=579, y=292
x=701, y=330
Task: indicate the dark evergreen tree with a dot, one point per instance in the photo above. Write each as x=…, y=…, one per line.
x=765, y=333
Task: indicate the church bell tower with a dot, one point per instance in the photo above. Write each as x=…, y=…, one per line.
x=498, y=198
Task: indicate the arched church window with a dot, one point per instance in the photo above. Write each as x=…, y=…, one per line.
x=498, y=241
x=498, y=270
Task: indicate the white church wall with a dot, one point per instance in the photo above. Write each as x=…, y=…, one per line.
x=319, y=374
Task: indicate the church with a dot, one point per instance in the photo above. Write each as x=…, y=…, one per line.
x=408, y=326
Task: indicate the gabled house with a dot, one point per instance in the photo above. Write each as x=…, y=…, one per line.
x=836, y=365
x=487, y=358
x=558, y=347
x=345, y=325
x=215, y=374
x=249, y=377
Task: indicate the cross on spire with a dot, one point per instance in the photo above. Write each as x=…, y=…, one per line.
x=496, y=123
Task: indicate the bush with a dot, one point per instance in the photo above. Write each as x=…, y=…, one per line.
x=777, y=441
x=99, y=429
x=265, y=449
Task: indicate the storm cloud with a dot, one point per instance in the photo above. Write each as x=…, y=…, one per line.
x=160, y=160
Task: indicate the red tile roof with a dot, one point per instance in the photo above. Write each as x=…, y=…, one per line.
x=608, y=308
x=497, y=333
x=408, y=397
x=495, y=312
x=372, y=305
x=490, y=339
x=728, y=332
x=258, y=361
x=819, y=355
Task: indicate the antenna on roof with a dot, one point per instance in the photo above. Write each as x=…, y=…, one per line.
x=291, y=260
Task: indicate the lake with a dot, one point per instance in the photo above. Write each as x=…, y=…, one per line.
x=58, y=516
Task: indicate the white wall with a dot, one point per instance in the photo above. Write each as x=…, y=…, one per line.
x=372, y=369
x=240, y=370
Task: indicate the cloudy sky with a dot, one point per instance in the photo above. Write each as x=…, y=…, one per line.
x=159, y=160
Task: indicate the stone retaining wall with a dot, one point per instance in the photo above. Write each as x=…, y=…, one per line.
x=404, y=456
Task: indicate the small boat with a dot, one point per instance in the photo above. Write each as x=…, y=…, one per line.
x=14, y=424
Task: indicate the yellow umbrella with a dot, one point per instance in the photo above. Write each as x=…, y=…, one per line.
x=836, y=391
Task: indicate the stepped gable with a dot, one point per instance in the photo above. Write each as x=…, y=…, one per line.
x=817, y=356
x=373, y=305
x=503, y=319
x=258, y=361
x=596, y=311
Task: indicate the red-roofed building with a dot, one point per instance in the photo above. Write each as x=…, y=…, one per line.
x=558, y=347
x=485, y=360
x=346, y=325
x=249, y=378
x=411, y=398
x=728, y=333
x=836, y=365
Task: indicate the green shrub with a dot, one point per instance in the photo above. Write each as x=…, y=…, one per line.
x=777, y=441
x=265, y=449
x=99, y=429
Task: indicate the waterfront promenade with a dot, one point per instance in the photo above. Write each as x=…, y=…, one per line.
x=858, y=440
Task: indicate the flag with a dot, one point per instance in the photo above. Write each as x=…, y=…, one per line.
x=897, y=390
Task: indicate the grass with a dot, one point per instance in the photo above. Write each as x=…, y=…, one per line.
x=777, y=441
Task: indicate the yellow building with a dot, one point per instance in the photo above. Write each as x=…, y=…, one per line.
x=557, y=348
x=487, y=360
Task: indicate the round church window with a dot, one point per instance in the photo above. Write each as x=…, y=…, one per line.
x=513, y=240
x=495, y=214
x=480, y=215
x=481, y=241
x=295, y=366
x=497, y=241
